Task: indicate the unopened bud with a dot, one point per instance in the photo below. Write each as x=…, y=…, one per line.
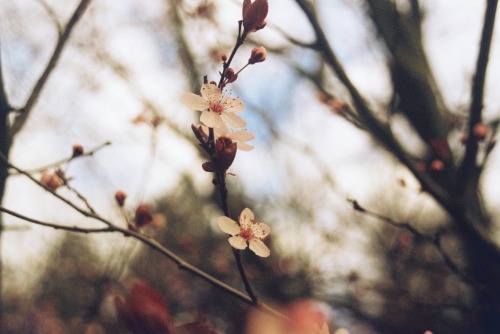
x=480, y=131
x=258, y=55
x=120, y=197
x=77, y=150
x=225, y=151
x=437, y=165
x=143, y=215
x=52, y=180
x=254, y=15
x=223, y=58
x=230, y=75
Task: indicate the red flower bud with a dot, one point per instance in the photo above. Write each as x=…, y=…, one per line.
x=120, y=197
x=480, y=131
x=258, y=55
x=77, y=150
x=143, y=215
x=254, y=15
x=225, y=151
x=230, y=75
x=52, y=179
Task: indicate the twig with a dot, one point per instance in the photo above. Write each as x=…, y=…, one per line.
x=56, y=54
x=67, y=160
x=56, y=226
x=434, y=240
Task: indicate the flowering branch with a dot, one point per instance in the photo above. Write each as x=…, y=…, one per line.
x=152, y=243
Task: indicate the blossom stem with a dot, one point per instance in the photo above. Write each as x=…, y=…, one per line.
x=220, y=178
x=239, y=42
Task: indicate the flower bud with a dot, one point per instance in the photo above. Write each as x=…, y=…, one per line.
x=52, y=179
x=437, y=165
x=230, y=75
x=480, y=131
x=143, y=215
x=258, y=55
x=254, y=15
x=225, y=151
x=120, y=197
x=77, y=150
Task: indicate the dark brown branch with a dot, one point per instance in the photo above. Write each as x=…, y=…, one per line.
x=476, y=107
x=25, y=111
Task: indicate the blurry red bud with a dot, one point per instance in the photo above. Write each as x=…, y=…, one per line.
x=144, y=311
x=143, y=215
x=77, y=150
x=480, y=131
x=52, y=179
x=437, y=165
x=208, y=166
x=120, y=197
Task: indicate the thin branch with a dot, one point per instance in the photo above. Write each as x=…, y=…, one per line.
x=434, y=240
x=56, y=226
x=21, y=118
x=476, y=107
x=67, y=160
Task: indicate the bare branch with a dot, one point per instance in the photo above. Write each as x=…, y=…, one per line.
x=434, y=240
x=56, y=226
x=476, y=107
x=25, y=111
x=67, y=160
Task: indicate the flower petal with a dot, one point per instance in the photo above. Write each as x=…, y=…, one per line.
x=228, y=225
x=211, y=119
x=242, y=135
x=259, y=248
x=244, y=146
x=195, y=102
x=238, y=242
x=234, y=120
x=232, y=104
x=246, y=218
x=260, y=230
x=210, y=92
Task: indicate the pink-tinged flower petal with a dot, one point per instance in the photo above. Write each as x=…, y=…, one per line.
x=210, y=92
x=238, y=242
x=195, y=102
x=244, y=146
x=260, y=230
x=228, y=225
x=246, y=218
x=211, y=119
x=232, y=104
x=233, y=120
x=259, y=248
x=241, y=135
